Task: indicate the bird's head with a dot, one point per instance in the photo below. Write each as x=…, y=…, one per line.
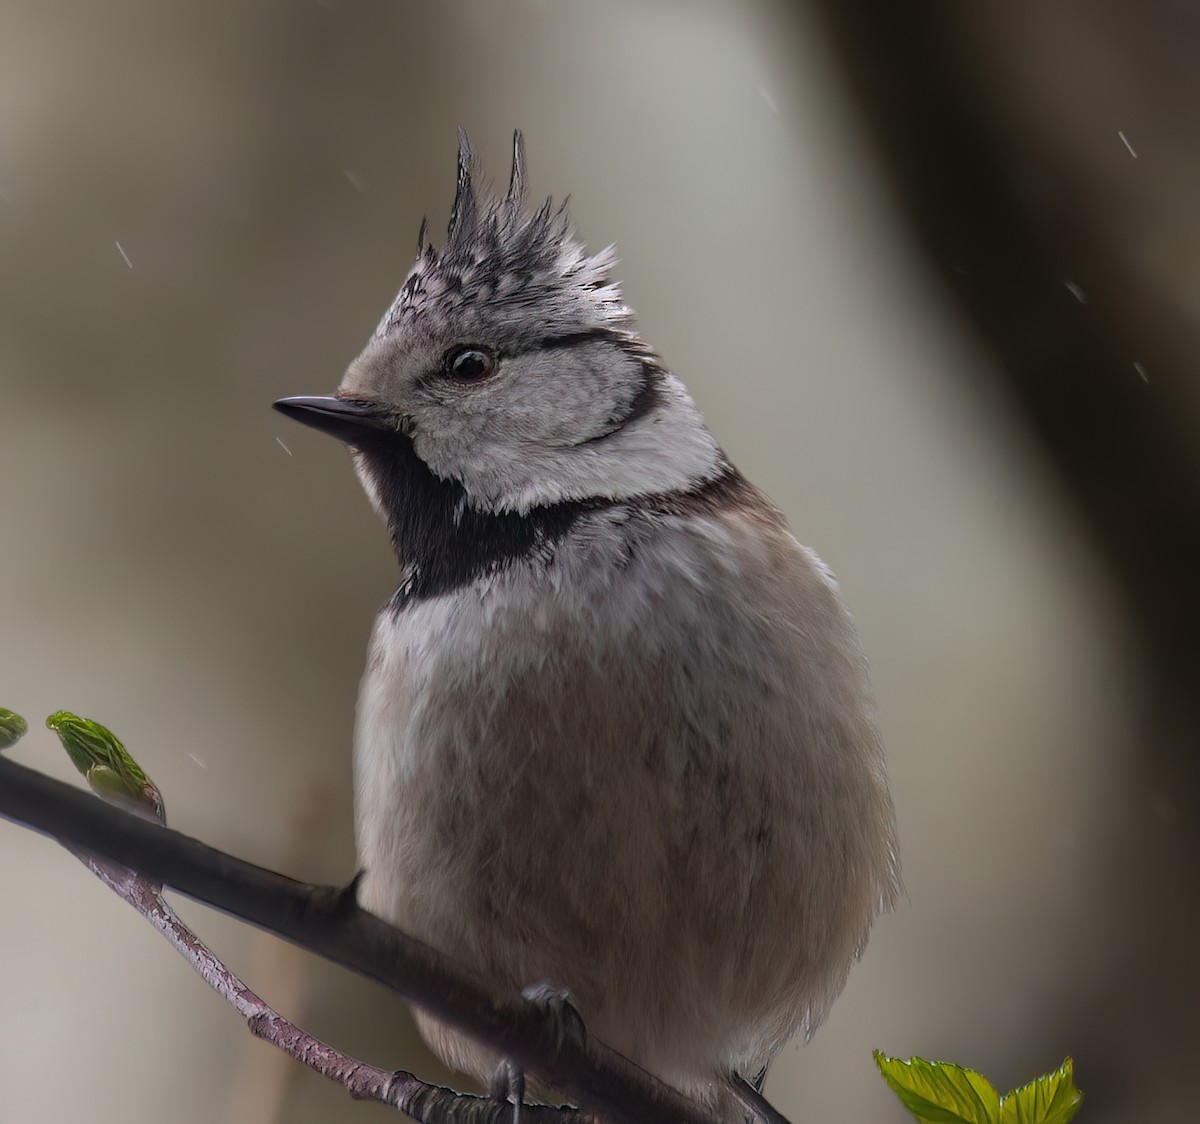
x=507, y=378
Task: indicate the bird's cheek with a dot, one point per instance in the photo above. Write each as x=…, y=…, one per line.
x=369, y=483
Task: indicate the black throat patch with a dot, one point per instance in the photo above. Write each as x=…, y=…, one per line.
x=445, y=544
x=442, y=541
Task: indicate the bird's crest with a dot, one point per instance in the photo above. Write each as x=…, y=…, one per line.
x=496, y=248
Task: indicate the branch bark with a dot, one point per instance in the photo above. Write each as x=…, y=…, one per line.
x=327, y=920
x=428, y=1104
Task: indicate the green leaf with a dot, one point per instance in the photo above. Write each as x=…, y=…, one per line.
x=1052, y=1099
x=940, y=1093
x=107, y=765
x=12, y=728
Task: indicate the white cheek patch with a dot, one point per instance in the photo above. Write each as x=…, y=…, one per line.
x=367, y=479
x=545, y=452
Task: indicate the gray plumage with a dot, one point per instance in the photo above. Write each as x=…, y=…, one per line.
x=615, y=734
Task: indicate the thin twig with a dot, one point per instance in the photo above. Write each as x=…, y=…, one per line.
x=429, y=1104
x=327, y=920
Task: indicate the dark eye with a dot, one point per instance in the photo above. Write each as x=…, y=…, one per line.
x=470, y=364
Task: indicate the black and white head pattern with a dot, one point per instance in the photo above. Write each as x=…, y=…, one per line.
x=516, y=391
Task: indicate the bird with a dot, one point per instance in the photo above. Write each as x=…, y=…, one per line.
x=615, y=737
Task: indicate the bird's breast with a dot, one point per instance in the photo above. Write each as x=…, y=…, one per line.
x=615, y=768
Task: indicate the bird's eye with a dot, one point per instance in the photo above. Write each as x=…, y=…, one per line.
x=470, y=364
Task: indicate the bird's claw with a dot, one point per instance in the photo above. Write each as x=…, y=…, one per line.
x=559, y=1006
x=508, y=1085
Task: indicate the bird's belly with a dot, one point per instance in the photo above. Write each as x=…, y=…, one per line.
x=604, y=811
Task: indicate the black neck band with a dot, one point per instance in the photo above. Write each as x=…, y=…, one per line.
x=445, y=543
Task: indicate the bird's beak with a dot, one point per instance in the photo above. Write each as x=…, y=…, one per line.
x=343, y=418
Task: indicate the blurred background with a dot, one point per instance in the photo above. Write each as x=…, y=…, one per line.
x=205, y=207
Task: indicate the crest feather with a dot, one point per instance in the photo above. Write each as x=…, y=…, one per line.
x=464, y=214
x=517, y=185
x=497, y=244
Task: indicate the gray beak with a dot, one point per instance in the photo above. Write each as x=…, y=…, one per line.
x=342, y=418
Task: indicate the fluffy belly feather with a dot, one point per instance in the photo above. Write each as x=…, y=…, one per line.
x=612, y=805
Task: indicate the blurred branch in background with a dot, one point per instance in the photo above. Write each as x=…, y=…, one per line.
x=265, y=1078
x=1110, y=418
x=998, y=191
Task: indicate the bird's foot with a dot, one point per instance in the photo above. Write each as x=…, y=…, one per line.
x=749, y=1092
x=559, y=1007
x=340, y=902
x=508, y=1085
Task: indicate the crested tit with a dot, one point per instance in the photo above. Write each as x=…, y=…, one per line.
x=614, y=733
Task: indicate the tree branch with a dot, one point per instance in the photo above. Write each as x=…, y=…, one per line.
x=327, y=920
x=428, y=1104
